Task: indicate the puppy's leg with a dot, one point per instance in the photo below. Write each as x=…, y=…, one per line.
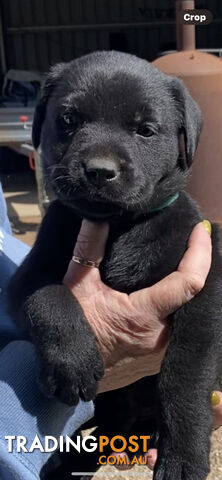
x=187, y=378
x=69, y=362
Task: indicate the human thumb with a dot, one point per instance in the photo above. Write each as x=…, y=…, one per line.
x=179, y=287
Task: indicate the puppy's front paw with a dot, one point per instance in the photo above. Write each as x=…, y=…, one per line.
x=69, y=362
x=173, y=465
x=71, y=374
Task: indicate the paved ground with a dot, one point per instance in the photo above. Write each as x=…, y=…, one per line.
x=20, y=193
x=22, y=202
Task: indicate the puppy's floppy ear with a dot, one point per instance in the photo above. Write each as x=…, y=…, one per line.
x=45, y=93
x=190, y=123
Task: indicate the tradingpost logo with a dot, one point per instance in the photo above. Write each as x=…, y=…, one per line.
x=136, y=445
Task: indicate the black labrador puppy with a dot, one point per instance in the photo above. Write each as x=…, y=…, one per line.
x=118, y=138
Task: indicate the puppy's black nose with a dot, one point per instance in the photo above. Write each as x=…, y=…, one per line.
x=99, y=170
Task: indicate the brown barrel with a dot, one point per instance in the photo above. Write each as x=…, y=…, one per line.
x=202, y=74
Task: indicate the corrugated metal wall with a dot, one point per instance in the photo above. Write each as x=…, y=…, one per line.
x=33, y=43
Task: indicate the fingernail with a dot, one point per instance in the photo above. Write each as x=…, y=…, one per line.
x=207, y=225
x=215, y=399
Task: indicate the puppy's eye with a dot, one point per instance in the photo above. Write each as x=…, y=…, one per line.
x=145, y=130
x=71, y=120
x=67, y=119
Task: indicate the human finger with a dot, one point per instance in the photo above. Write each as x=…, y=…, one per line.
x=216, y=402
x=90, y=246
x=151, y=457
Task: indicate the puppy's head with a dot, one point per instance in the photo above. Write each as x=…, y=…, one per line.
x=116, y=134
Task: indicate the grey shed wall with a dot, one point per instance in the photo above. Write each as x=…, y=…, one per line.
x=33, y=40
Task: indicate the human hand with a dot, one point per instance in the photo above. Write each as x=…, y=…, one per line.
x=132, y=331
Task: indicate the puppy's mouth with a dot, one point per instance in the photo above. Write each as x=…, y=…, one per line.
x=91, y=209
x=88, y=204
x=96, y=209
x=99, y=203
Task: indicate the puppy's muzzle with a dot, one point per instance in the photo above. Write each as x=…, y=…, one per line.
x=99, y=171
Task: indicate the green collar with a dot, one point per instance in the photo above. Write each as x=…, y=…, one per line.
x=166, y=204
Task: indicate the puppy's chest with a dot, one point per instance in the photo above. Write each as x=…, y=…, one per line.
x=135, y=258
